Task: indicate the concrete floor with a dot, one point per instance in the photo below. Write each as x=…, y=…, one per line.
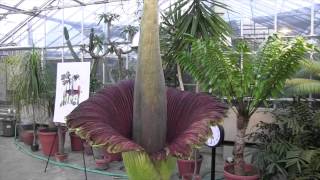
x=16, y=164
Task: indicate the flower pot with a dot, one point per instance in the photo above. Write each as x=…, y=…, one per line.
x=249, y=169
x=186, y=167
x=113, y=156
x=87, y=149
x=49, y=138
x=76, y=143
x=61, y=157
x=102, y=164
x=27, y=137
x=190, y=176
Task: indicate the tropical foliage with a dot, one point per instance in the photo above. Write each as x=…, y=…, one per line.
x=105, y=120
x=306, y=85
x=289, y=148
x=30, y=86
x=196, y=18
x=244, y=78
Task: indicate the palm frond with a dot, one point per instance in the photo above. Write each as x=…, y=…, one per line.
x=303, y=86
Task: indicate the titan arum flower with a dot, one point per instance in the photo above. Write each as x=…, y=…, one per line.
x=106, y=120
x=144, y=121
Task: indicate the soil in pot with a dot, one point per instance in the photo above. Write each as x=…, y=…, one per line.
x=61, y=157
x=76, y=143
x=250, y=173
x=186, y=167
x=49, y=138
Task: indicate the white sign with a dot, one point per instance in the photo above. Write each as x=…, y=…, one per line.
x=217, y=136
x=73, y=81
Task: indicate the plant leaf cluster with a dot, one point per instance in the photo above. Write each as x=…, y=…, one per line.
x=245, y=78
x=290, y=146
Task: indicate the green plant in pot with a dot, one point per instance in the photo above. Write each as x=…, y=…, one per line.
x=244, y=78
x=29, y=87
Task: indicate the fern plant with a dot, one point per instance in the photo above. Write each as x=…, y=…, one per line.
x=244, y=78
x=289, y=147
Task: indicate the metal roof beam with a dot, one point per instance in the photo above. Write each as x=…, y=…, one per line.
x=81, y=3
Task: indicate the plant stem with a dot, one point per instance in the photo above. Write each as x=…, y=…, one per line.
x=180, y=77
x=239, y=145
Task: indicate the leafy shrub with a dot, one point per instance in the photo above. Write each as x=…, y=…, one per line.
x=289, y=148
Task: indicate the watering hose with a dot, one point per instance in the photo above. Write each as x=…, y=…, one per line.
x=60, y=164
x=74, y=166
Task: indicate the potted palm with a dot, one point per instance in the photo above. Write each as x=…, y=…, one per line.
x=244, y=78
x=29, y=88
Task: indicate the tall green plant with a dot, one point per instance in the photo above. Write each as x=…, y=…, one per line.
x=196, y=18
x=244, y=78
x=29, y=87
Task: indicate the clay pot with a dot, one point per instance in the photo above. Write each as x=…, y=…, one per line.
x=87, y=149
x=76, y=143
x=49, y=138
x=186, y=167
x=113, y=156
x=27, y=137
x=248, y=168
x=189, y=177
x=102, y=164
x=61, y=157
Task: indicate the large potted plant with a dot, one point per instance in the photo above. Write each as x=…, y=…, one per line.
x=29, y=88
x=244, y=78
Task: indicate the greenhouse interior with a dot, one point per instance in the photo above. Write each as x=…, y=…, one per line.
x=160, y=89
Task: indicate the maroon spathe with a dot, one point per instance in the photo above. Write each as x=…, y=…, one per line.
x=106, y=118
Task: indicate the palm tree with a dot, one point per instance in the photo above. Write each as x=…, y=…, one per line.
x=305, y=86
x=196, y=18
x=245, y=79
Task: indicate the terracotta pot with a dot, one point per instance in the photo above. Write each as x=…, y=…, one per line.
x=113, y=157
x=61, y=157
x=186, y=167
x=27, y=137
x=22, y=128
x=248, y=168
x=76, y=143
x=189, y=177
x=102, y=164
x=49, y=138
x=87, y=148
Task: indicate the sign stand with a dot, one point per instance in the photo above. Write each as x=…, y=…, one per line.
x=213, y=142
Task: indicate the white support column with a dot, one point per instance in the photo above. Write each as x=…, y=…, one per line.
x=275, y=20
x=82, y=30
x=312, y=19
x=62, y=22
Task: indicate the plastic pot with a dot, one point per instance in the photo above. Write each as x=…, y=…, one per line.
x=228, y=168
